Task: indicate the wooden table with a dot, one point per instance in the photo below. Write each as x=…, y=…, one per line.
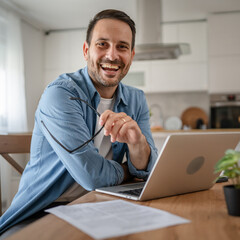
x=206, y=210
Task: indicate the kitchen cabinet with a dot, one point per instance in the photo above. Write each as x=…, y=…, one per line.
x=188, y=73
x=224, y=52
x=224, y=34
x=194, y=33
x=224, y=74
x=178, y=77
x=139, y=75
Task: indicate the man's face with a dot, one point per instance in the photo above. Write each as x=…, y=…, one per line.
x=109, y=55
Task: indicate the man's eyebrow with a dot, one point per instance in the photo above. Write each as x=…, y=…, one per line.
x=102, y=39
x=126, y=43
x=106, y=39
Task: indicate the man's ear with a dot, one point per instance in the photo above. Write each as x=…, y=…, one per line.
x=133, y=53
x=85, y=50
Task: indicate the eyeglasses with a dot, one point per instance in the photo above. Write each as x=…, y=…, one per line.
x=85, y=143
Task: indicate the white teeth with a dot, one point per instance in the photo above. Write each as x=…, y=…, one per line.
x=107, y=65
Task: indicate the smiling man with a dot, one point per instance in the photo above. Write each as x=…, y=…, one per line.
x=70, y=155
x=109, y=54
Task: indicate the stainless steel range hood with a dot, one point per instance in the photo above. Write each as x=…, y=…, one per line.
x=149, y=44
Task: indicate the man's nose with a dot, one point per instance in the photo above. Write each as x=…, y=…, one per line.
x=112, y=53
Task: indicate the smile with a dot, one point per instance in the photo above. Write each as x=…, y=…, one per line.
x=109, y=67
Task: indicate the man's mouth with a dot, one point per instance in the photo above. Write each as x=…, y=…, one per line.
x=109, y=67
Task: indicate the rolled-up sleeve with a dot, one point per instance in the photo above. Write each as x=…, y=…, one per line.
x=66, y=121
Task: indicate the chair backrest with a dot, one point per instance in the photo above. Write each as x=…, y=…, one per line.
x=13, y=143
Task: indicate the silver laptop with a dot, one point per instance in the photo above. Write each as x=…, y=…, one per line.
x=185, y=164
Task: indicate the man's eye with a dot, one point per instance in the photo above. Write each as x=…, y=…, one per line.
x=123, y=47
x=101, y=44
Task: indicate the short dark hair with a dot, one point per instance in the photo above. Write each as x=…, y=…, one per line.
x=111, y=14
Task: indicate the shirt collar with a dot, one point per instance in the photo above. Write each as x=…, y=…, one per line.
x=121, y=92
x=91, y=89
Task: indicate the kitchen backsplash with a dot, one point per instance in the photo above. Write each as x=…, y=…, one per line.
x=174, y=104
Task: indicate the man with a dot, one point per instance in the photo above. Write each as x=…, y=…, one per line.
x=62, y=167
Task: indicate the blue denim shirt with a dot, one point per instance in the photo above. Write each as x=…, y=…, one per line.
x=51, y=169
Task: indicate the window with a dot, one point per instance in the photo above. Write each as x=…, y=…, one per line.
x=3, y=79
x=12, y=87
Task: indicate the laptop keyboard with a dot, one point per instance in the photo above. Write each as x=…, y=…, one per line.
x=134, y=192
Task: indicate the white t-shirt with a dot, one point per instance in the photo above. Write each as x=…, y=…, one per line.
x=104, y=145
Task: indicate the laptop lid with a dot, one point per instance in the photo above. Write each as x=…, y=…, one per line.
x=185, y=164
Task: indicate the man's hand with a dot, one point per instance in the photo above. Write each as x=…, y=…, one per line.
x=120, y=127
x=123, y=128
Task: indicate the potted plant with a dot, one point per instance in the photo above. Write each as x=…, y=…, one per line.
x=230, y=166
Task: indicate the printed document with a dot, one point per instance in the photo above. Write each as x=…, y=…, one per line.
x=115, y=218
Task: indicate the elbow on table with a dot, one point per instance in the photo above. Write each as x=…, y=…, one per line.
x=91, y=185
x=96, y=183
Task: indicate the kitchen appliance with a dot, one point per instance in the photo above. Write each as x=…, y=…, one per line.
x=225, y=111
x=149, y=44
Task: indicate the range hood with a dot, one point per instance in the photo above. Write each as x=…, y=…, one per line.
x=149, y=44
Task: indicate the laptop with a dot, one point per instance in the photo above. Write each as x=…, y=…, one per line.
x=185, y=164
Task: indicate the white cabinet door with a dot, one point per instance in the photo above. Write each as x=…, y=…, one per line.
x=139, y=75
x=176, y=77
x=224, y=34
x=224, y=74
x=196, y=35
x=224, y=53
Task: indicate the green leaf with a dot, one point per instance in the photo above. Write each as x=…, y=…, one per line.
x=233, y=152
x=229, y=164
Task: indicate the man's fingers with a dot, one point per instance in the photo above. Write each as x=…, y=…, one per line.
x=111, y=119
x=104, y=117
x=117, y=126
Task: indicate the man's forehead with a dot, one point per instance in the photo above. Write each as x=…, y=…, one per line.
x=112, y=28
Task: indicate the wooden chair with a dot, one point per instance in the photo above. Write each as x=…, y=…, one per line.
x=10, y=144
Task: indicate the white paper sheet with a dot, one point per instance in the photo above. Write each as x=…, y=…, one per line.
x=115, y=218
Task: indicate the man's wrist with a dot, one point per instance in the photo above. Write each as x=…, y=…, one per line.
x=140, y=153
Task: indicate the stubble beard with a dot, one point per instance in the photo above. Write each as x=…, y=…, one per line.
x=94, y=72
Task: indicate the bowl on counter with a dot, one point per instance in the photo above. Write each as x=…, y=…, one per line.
x=173, y=123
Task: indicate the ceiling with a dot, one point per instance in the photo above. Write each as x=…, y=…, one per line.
x=65, y=14
x=68, y=14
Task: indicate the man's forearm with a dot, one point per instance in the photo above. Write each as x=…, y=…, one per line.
x=123, y=128
x=140, y=153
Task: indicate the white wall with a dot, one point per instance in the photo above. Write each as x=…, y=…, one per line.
x=63, y=53
x=33, y=49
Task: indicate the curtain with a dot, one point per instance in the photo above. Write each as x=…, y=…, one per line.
x=13, y=117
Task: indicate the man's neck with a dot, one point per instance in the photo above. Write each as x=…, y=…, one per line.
x=106, y=92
